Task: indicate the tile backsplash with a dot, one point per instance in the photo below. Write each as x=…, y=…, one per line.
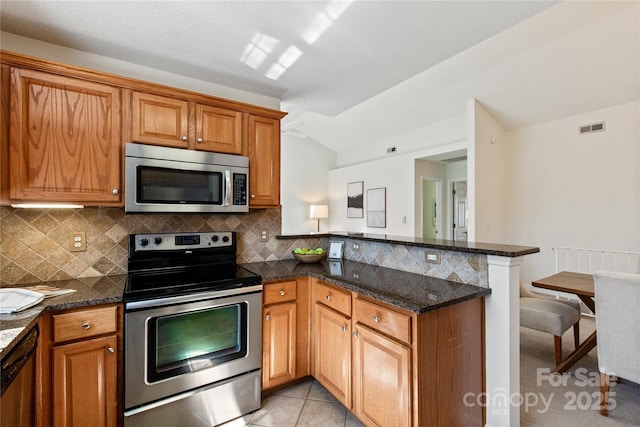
x=34, y=243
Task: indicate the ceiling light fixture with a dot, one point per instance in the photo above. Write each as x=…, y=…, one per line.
x=46, y=206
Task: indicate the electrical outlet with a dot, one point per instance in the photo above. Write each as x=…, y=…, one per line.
x=264, y=235
x=355, y=246
x=432, y=257
x=77, y=241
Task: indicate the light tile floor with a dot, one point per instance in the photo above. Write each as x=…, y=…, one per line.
x=305, y=404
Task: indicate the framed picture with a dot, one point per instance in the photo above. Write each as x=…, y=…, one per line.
x=377, y=207
x=335, y=250
x=355, y=199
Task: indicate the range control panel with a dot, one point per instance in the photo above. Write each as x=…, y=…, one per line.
x=173, y=241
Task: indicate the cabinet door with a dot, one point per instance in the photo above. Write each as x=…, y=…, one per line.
x=159, y=120
x=332, y=335
x=218, y=129
x=84, y=383
x=264, y=162
x=381, y=380
x=65, y=139
x=278, y=344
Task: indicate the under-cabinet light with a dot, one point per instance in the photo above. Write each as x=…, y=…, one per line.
x=46, y=206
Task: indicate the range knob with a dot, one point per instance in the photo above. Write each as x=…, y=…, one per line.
x=157, y=240
x=144, y=242
x=215, y=238
x=225, y=239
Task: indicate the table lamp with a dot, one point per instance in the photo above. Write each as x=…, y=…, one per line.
x=319, y=211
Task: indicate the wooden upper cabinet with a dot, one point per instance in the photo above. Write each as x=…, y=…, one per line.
x=159, y=120
x=264, y=162
x=218, y=129
x=65, y=139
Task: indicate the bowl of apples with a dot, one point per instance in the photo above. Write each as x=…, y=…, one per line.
x=309, y=255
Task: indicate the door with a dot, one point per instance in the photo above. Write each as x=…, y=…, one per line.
x=460, y=211
x=278, y=344
x=333, y=352
x=431, y=209
x=65, y=139
x=381, y=380
x=84, y=383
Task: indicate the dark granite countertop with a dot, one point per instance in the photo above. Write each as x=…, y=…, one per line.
x=510, y=251
x=89, y=292
x=410, y=291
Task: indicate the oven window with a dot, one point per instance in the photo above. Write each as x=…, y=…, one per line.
x=163, y=185
x=192, y=341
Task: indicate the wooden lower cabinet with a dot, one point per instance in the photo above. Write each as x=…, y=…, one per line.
x=332, y=352
x=278, y=344
x=79, y=368
x=85, y=383
x=381, y=379
x=285, y=332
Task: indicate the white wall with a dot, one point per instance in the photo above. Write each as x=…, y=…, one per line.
x=486, y=189
x=13, y=43
x=303, y=181
x=566, y=189
x=397, y=175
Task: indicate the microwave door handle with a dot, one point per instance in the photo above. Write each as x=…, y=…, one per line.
x=228, y=192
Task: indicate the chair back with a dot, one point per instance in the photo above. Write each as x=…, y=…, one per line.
x=618, y=323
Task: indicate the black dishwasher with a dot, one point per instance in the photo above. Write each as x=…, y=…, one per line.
x=17, y=400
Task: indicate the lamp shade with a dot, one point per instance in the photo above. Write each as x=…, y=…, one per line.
x=319, y=211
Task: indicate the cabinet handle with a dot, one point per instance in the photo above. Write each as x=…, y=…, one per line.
x=328, y=297
x=376, y=318
x=253, y=196
x=355, y=334
x=115, y=191
x=268, y=317
x=282, y=292
x=199, y=139
x=86, y=325
x=344, y=328
x=110, y=350
x=184, y=137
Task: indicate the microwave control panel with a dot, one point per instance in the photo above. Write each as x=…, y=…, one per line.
x=240, y=189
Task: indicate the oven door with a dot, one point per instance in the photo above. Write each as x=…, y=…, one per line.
x=181, y=343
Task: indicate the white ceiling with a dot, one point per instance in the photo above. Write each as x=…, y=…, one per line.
x=353, y=72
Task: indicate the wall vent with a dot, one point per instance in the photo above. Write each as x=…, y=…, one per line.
x=595, y=127
x=391, y=150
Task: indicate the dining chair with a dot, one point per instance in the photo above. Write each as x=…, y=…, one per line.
x=617, y=296
x=550, y=315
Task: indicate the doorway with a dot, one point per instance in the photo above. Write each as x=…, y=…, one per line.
x=431, y=208
x=460, y=210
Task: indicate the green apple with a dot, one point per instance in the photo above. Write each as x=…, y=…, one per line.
x=297, y=250
x=319, y=251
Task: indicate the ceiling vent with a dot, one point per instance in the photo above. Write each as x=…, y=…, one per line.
x=595, y=127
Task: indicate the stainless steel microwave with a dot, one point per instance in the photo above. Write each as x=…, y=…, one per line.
x=174, y=180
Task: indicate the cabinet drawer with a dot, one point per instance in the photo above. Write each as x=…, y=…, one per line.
x=382, y=319
x=332, y=297
x=85, y=323
x=279, y=292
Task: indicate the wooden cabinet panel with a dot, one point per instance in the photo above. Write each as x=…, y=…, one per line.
x=84, y=383
x=218, y=129
x=279, y=344
x=264, y=161
x=274, y=293
x=332, y=297
x=84, y=324
x=381, y=380
x=332, y=352
x=65, y=139
x=159, y=120
x=390, y=322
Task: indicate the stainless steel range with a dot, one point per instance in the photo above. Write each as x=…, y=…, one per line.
x=192, y=334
